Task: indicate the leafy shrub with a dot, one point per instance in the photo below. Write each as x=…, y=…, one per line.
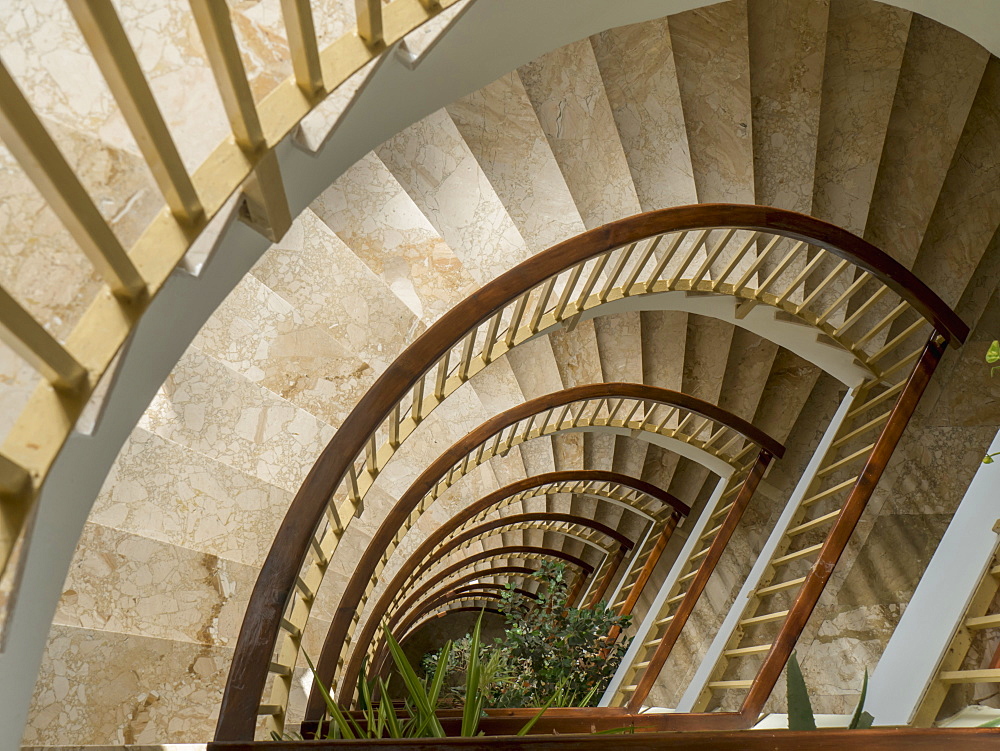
x=549, y=652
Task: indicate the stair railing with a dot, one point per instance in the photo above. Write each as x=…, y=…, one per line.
x=69, y=371
x=701, y=253
x=725, y=442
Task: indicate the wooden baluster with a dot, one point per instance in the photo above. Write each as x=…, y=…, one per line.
x=33, y=148
x=838, y=537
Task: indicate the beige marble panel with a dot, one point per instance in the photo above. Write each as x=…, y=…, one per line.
x=938, y=80
x=173, y=58
x=164, y=491
x=373, y=215
x=750, y=361
x=711, y=53
x=567, y=92
x=260, y=335
x=577, y=355
x=498, y=390
x=319, y=275
x=134, y=585
x=864, y=51
x=17, y=381
x=501, y=129
x=788, y=387
x=664, y=339
x=787, y=44
x=640, y=80
x=967, y=212
x=101, y=687
x=210, y=408
x=706, y=356
x=619, y=341
x=435, y=166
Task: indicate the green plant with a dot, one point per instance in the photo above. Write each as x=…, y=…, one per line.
x=992, y=356
x=800, y=712
x=381, y=720
x=549, y=650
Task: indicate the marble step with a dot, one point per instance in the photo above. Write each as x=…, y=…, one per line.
x=640, y=81
x=369, y=211
x=965, y=216
x=501, y=130
x=719, y=126
x=576, y=117
x=434, y=165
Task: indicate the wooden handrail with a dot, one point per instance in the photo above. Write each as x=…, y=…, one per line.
x=568, y=722
x=269, y=599
x=397, y=516
x=496, y=498
x=505, y=521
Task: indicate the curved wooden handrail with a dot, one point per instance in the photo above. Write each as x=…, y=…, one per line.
x=397, y=517
x=276, y=582
x=497, y=497
x=506, y=551
x=506, y=521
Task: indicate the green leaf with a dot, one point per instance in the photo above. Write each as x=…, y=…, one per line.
x=531, y=723
x=860, y=709
x=331, y=706
x=427, y=720
x=993, y=353
x=866, y=721
x=991, y=724
x=800, y=713
x=988, y=459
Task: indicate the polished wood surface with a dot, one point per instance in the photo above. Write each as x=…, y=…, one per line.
x=249, y=672
x=698, y=584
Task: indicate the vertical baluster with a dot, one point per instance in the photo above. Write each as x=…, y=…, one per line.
x=23, y=134
x=442, y=376
x=467, y=352
x=491, y=336
x=623, y=258
x=740, y=254
x=369, y=15
x=266, y=206
x=105, y=36
x=640, y=264
x=540, y=305
x=515, y=318
x=302, y=45
x=574, y=277
x=713, y=256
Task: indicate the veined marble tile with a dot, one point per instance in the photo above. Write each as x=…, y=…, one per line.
x=501, y=129
x=787, y=45
x=711, y=54
x=659, y=466
x=619, y=342
x=435, y=166
x=329, y=285
x=212, y=409
x=567, y=92
x=262, y=336
x=706, y=357
x=664, y=336
x=864, y=51
x=750, y=360
x=967, y=213
x=368, y=209
x=498, y=391
x=101, y=687
x=577, y=355
x=790, y=383
x=637, y=67
x=135, y=585
x=164, y=491
x=938, y=80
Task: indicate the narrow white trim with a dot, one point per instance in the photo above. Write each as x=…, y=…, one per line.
x=636, y=552
x=654, y=609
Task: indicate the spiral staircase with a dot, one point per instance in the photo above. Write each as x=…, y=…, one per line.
x=648, y=400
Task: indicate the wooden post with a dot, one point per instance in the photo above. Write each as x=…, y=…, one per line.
x=840, y=535
x=705, y=570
